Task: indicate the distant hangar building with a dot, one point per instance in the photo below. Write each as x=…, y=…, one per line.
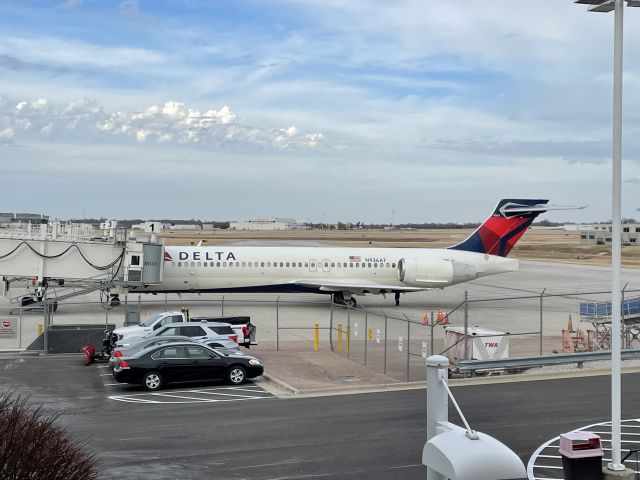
x=266, y=224
x=601, y=234
x=14, y=218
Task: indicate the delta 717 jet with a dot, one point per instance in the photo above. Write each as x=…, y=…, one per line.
x=345, y=272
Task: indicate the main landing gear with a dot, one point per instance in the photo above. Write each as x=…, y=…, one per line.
x=340, y=299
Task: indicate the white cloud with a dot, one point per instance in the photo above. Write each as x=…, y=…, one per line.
x=58, y=51
x=170, y=122
x=6, y=135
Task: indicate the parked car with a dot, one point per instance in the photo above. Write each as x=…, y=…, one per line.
x=134, y=345
x=242, y=326
x=200, y=331
x=184, y=362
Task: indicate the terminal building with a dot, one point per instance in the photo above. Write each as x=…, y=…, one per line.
x=7, y=219
x=601, y=234
x=266, y=224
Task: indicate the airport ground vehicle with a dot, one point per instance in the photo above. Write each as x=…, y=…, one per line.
x=138, y=344
x=183, y=363
x=242, y=326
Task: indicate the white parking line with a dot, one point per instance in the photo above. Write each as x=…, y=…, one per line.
x=225, y=394
x=254, y=389
x=199, y=395
x=163, y=395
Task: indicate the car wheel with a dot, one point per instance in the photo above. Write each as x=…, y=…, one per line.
x=236, y=375
x=152, y=381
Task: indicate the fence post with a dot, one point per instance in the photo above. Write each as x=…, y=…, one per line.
x=20, y=329
x=385, y=344
x=431, y=326
x=466, y=325
x=277, y=322
x=46, y=324
x=437, y=401
x=348, y=331
x=366, y=335
x=222, y=306
x=408, y=346
x=622, y=316
x=331, y=324
x=139, y=312
x=541, y=324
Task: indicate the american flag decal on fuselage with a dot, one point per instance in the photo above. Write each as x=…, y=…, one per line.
x=353, y=258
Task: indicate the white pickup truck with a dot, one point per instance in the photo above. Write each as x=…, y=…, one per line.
x=241, y=325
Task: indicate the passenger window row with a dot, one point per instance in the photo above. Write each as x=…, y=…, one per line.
x=283, y=264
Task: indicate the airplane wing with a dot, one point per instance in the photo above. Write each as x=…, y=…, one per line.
x=356, y=287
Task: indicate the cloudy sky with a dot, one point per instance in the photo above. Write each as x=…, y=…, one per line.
x=316, y=109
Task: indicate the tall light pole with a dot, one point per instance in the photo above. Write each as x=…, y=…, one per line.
x=616, y=238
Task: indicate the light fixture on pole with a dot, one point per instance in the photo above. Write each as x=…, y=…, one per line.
x=616, y=237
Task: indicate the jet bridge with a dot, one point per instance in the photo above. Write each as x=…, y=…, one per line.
x=74, y=263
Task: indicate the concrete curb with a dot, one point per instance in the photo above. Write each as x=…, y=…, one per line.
x=279, y=383
x=293, y=392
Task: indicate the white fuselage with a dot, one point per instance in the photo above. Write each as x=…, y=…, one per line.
x=321, y=269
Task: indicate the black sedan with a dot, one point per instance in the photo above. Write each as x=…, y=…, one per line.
x=184, y=362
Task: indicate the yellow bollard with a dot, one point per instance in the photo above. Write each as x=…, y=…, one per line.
x=40, y=329
x=316, y=337
x=370, y=334
x=348, y=338
x=339, y=337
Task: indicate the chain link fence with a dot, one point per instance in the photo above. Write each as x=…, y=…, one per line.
x=394, y=342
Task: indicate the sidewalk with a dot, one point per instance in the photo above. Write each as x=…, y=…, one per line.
x=308, y=372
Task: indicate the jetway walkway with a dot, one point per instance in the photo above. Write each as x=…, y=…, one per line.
x=57, y=267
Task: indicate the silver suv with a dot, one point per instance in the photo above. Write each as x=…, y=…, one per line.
x=199, y=331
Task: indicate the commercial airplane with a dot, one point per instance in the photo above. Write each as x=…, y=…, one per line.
x=345, y=272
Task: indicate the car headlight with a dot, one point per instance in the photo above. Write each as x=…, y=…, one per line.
x=254, y=361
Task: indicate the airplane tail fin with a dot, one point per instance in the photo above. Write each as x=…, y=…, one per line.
x=500, y=232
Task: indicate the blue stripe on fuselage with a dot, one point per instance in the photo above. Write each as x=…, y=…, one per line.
x=282, y=288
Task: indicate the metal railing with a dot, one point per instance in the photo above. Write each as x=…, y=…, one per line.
x=473, y=366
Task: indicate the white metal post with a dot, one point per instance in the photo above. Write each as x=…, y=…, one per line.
x=437, y=401
x=616, y=245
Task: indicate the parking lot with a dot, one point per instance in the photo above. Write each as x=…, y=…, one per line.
x=258, y=436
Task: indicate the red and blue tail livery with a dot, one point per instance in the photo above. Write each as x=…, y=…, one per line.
x=500, y=232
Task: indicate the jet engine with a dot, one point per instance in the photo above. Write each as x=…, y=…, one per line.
x=434, y=272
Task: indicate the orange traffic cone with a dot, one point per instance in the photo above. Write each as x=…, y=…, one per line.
x=570, y=324
x=439, y=317
x=425, y=319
